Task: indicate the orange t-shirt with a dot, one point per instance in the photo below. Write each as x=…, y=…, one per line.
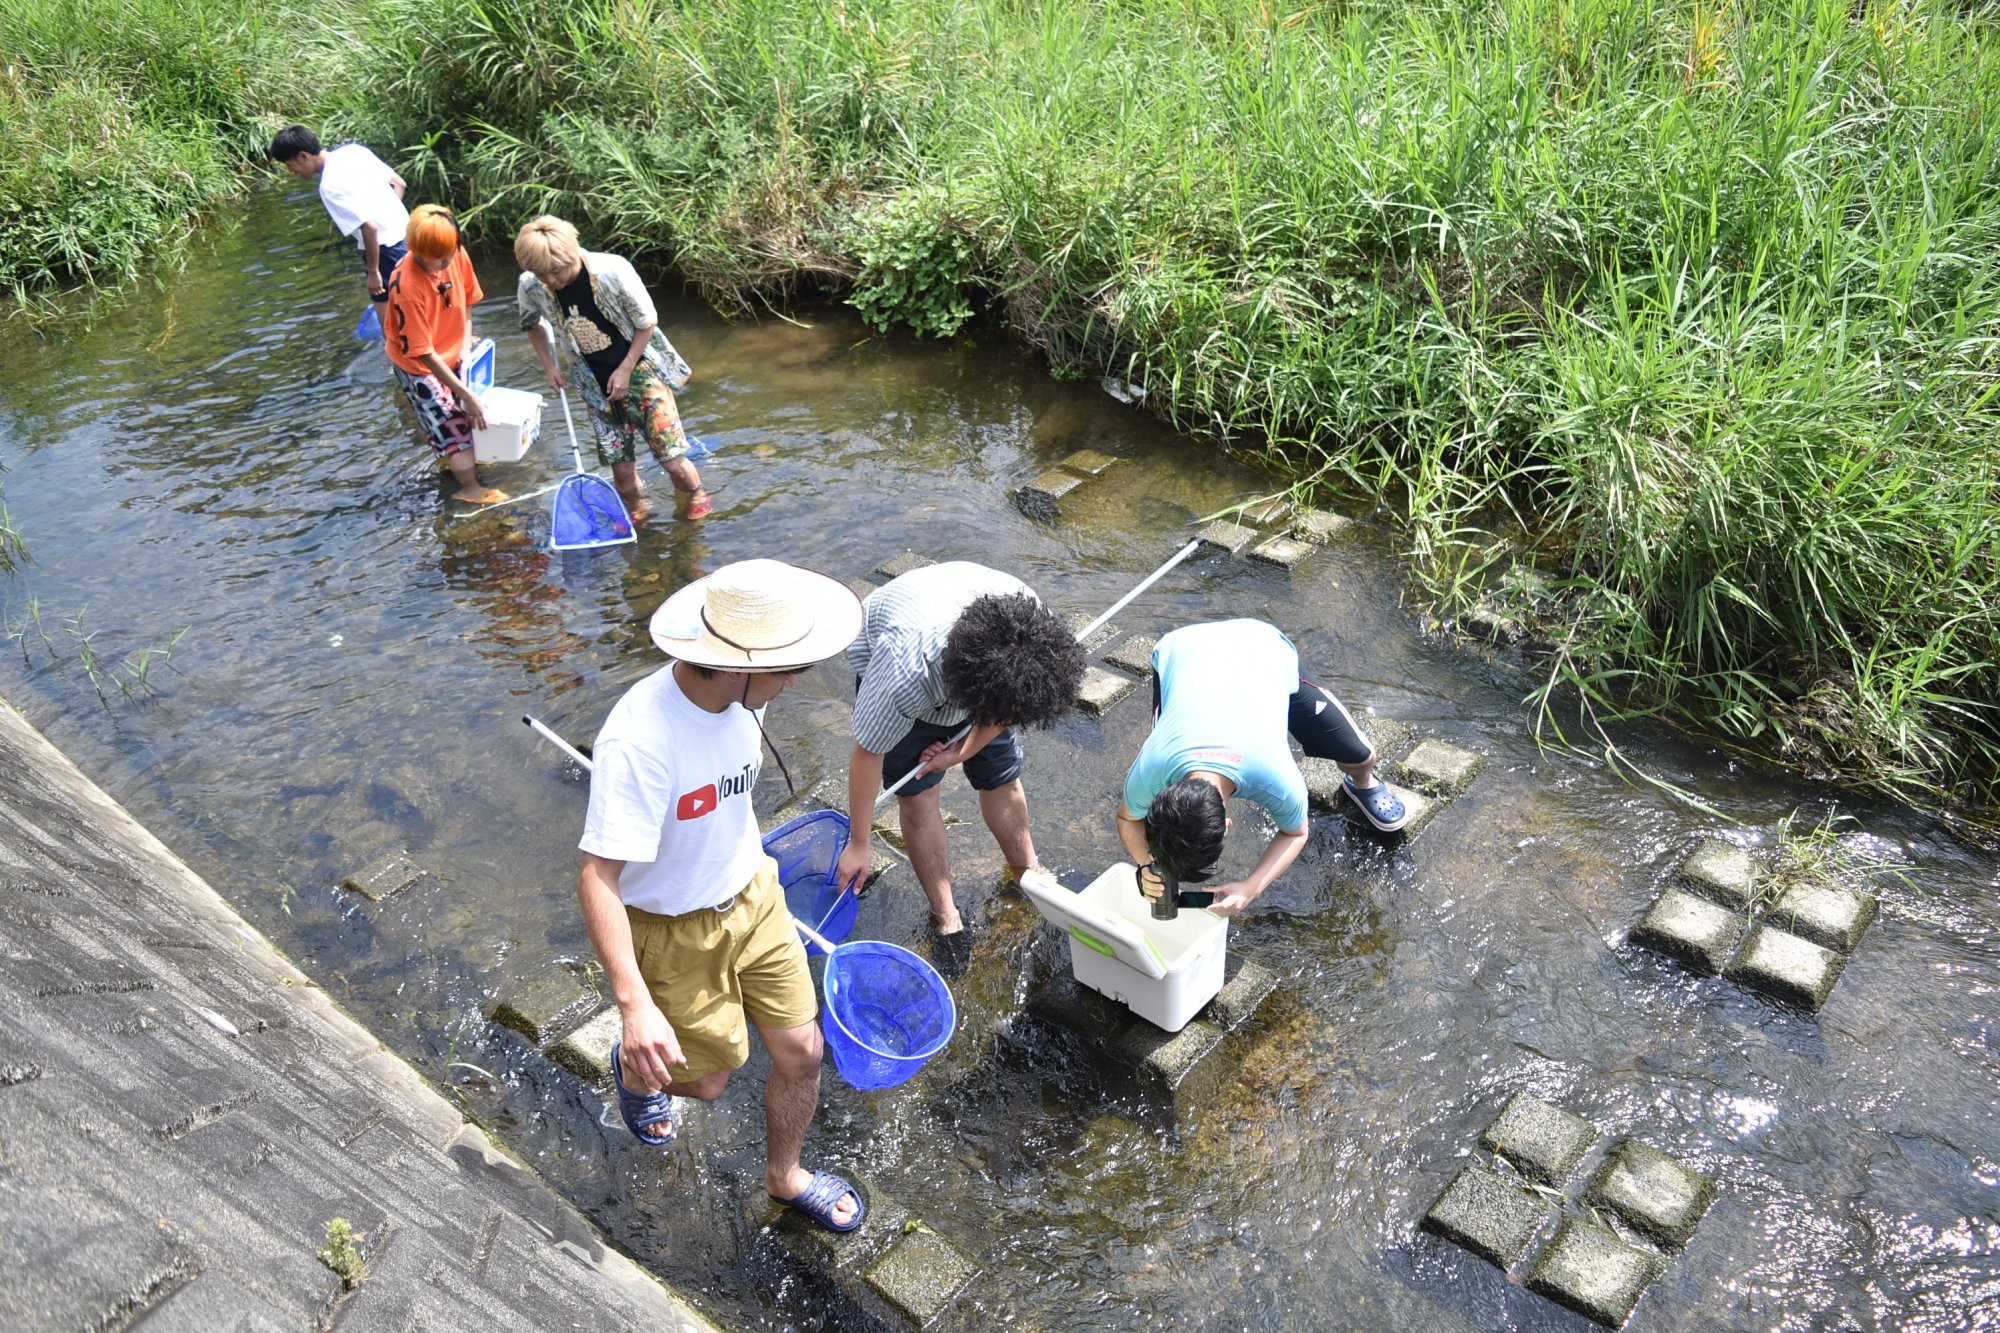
x=428, y=312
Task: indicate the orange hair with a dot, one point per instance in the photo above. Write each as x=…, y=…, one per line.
x=433, y=232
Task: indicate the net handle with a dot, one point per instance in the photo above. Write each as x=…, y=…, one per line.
x=575, y=450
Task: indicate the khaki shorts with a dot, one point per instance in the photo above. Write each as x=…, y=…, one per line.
x=711, y=970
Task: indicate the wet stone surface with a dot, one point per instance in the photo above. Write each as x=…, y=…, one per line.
x=1134, y=655
x=1488, y=622
x=586, y=1052
x=385, y=878
x=1656, y=1195
x=1226, y=536
x=1542, y=1142
x=1700, y=933
x=1795, y=970
x=1245, y=987
x=1077, y=621
x=1041, y=498
x=1829, y=915
x=920, y=1277
x=1722, y=871
x=1088, y=462
x=1591, y=1271
x=539, y=1007
x=1100, y=689
x=1495, y=1219
x=897, y=566
x=1318, y=526
x=1266, y=512
x=1437, y=769
x=1284, y=552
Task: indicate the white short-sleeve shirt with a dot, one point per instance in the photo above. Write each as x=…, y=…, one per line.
x=670, y=796
x=354, y=186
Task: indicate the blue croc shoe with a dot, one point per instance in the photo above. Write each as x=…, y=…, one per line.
x=1378, y=803
x=817, y=1201
x=643, y=1111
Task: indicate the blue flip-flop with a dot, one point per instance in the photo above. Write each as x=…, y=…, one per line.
x=1378, y=804
x=817, y=1201
x=644, y=1110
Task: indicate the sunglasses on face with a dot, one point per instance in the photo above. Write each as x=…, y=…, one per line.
x=444, y=291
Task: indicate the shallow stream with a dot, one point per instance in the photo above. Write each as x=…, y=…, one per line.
x=218, y=453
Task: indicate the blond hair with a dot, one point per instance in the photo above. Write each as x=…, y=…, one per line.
x=547, y=245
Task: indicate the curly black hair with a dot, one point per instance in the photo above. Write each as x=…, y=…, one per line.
x=1009, y=660
x=1185, y=826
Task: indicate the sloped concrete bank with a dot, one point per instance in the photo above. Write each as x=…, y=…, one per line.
x=182, y=1113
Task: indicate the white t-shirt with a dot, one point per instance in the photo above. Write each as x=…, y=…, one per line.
x=670, y=796
x=354, y=186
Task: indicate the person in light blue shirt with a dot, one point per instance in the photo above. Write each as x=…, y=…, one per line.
x=1226, y=696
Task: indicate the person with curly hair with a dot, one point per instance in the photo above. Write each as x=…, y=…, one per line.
x=940, y=647
x=1225, y=696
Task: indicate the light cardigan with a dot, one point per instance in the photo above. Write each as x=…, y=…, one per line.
x=615, y=286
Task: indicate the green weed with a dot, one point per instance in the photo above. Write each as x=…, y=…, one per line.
x=342, y=1252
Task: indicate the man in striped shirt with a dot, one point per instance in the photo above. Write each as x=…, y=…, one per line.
x=941, y=647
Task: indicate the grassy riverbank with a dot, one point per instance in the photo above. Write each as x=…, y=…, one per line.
x=1694, y=300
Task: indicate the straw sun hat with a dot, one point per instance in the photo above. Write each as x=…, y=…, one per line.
x=758, y=615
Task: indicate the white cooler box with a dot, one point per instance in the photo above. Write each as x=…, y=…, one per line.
x=1163, y=971
x=513, y=420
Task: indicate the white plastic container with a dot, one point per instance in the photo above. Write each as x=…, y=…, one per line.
x=1163, y=971
x=478, y=374
x=513, y=420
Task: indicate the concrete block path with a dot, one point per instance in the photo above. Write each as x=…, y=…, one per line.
x=182, y=1112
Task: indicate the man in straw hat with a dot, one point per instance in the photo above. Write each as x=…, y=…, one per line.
x=684, y=909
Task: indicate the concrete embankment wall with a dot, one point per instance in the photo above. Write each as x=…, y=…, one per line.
x=182, y=1112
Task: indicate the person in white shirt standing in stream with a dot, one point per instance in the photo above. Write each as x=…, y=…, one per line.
x=362, y=193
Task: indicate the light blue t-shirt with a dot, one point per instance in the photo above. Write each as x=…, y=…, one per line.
x=1225, y=694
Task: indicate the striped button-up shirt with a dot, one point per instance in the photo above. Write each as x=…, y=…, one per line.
x=615, y=286
x=900, y=652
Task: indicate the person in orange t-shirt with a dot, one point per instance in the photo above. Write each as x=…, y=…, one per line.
x=426, y=329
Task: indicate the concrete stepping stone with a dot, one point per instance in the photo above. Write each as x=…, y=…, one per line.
x=1323, y=792
x=1656, y=1196
x=1319, y=526
x=920, y=1277
x=1266, y=512
x=1830, y=915
x=1588, y=1269
x=385, y=878
x=586, y=1052
x=1100, y=689
x=1779, y=963
x=895, y=1272
x=1441, y=770
x=1245, y=987
x=897, y=566
x=1226, y=536
x=1077, y=620
x=1042, y=497
x=1722, y=871
x=1134, y=655
x=1284, y=552
x=1700, y=933
x=1486, y=1214
x=1542, y=1142
x=1088, y=462
x=1177, y=1069
x=539, y=1007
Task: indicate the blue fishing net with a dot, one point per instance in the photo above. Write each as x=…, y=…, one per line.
x=588, y=512
x=807, y=850
x=887, y=1012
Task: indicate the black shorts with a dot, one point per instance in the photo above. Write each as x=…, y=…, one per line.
x=1318, y=721
x=998, y=764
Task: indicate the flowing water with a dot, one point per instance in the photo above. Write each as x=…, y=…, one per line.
x=219, y=454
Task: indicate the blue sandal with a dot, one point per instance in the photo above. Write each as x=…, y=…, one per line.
x=1378, y=804
x=643, y=1110
x=817, y=1201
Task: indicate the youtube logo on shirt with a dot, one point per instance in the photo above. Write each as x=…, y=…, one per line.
x=696, y=803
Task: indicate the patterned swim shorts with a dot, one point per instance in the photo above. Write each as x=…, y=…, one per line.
x=646, y=415
x=447, y=429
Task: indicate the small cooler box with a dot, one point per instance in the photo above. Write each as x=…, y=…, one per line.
x=1163, y=971
x=513, y=420
x=478, y=366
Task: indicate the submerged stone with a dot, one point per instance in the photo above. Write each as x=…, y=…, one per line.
x=1437, y=769
x=897, y=566
x=1245, y=987
x=1488, y=622
x=920, y=1276
x=1176, y=1067
x=1100, y=689
x=384, y=878
x=1134, y=655
x=1830, y=915
x=1722, y=871
x=1543, y=1142
x=586, y=1052
x=1041, y=497
x=1589, y=1270
x=1493, y=1218
x=538, y=1007
x=1089, y=462
x=1657, y=1196
x=1318, y=526
x=1226, y=536
x=1281, y=551
x=1269, y=511
x=1779, y=963
x=1700, y=933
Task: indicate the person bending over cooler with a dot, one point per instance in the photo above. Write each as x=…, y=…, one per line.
x=940, y=647
x=1225, y=695
x=426, y=329
x=682, y=905
x=619, y=362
